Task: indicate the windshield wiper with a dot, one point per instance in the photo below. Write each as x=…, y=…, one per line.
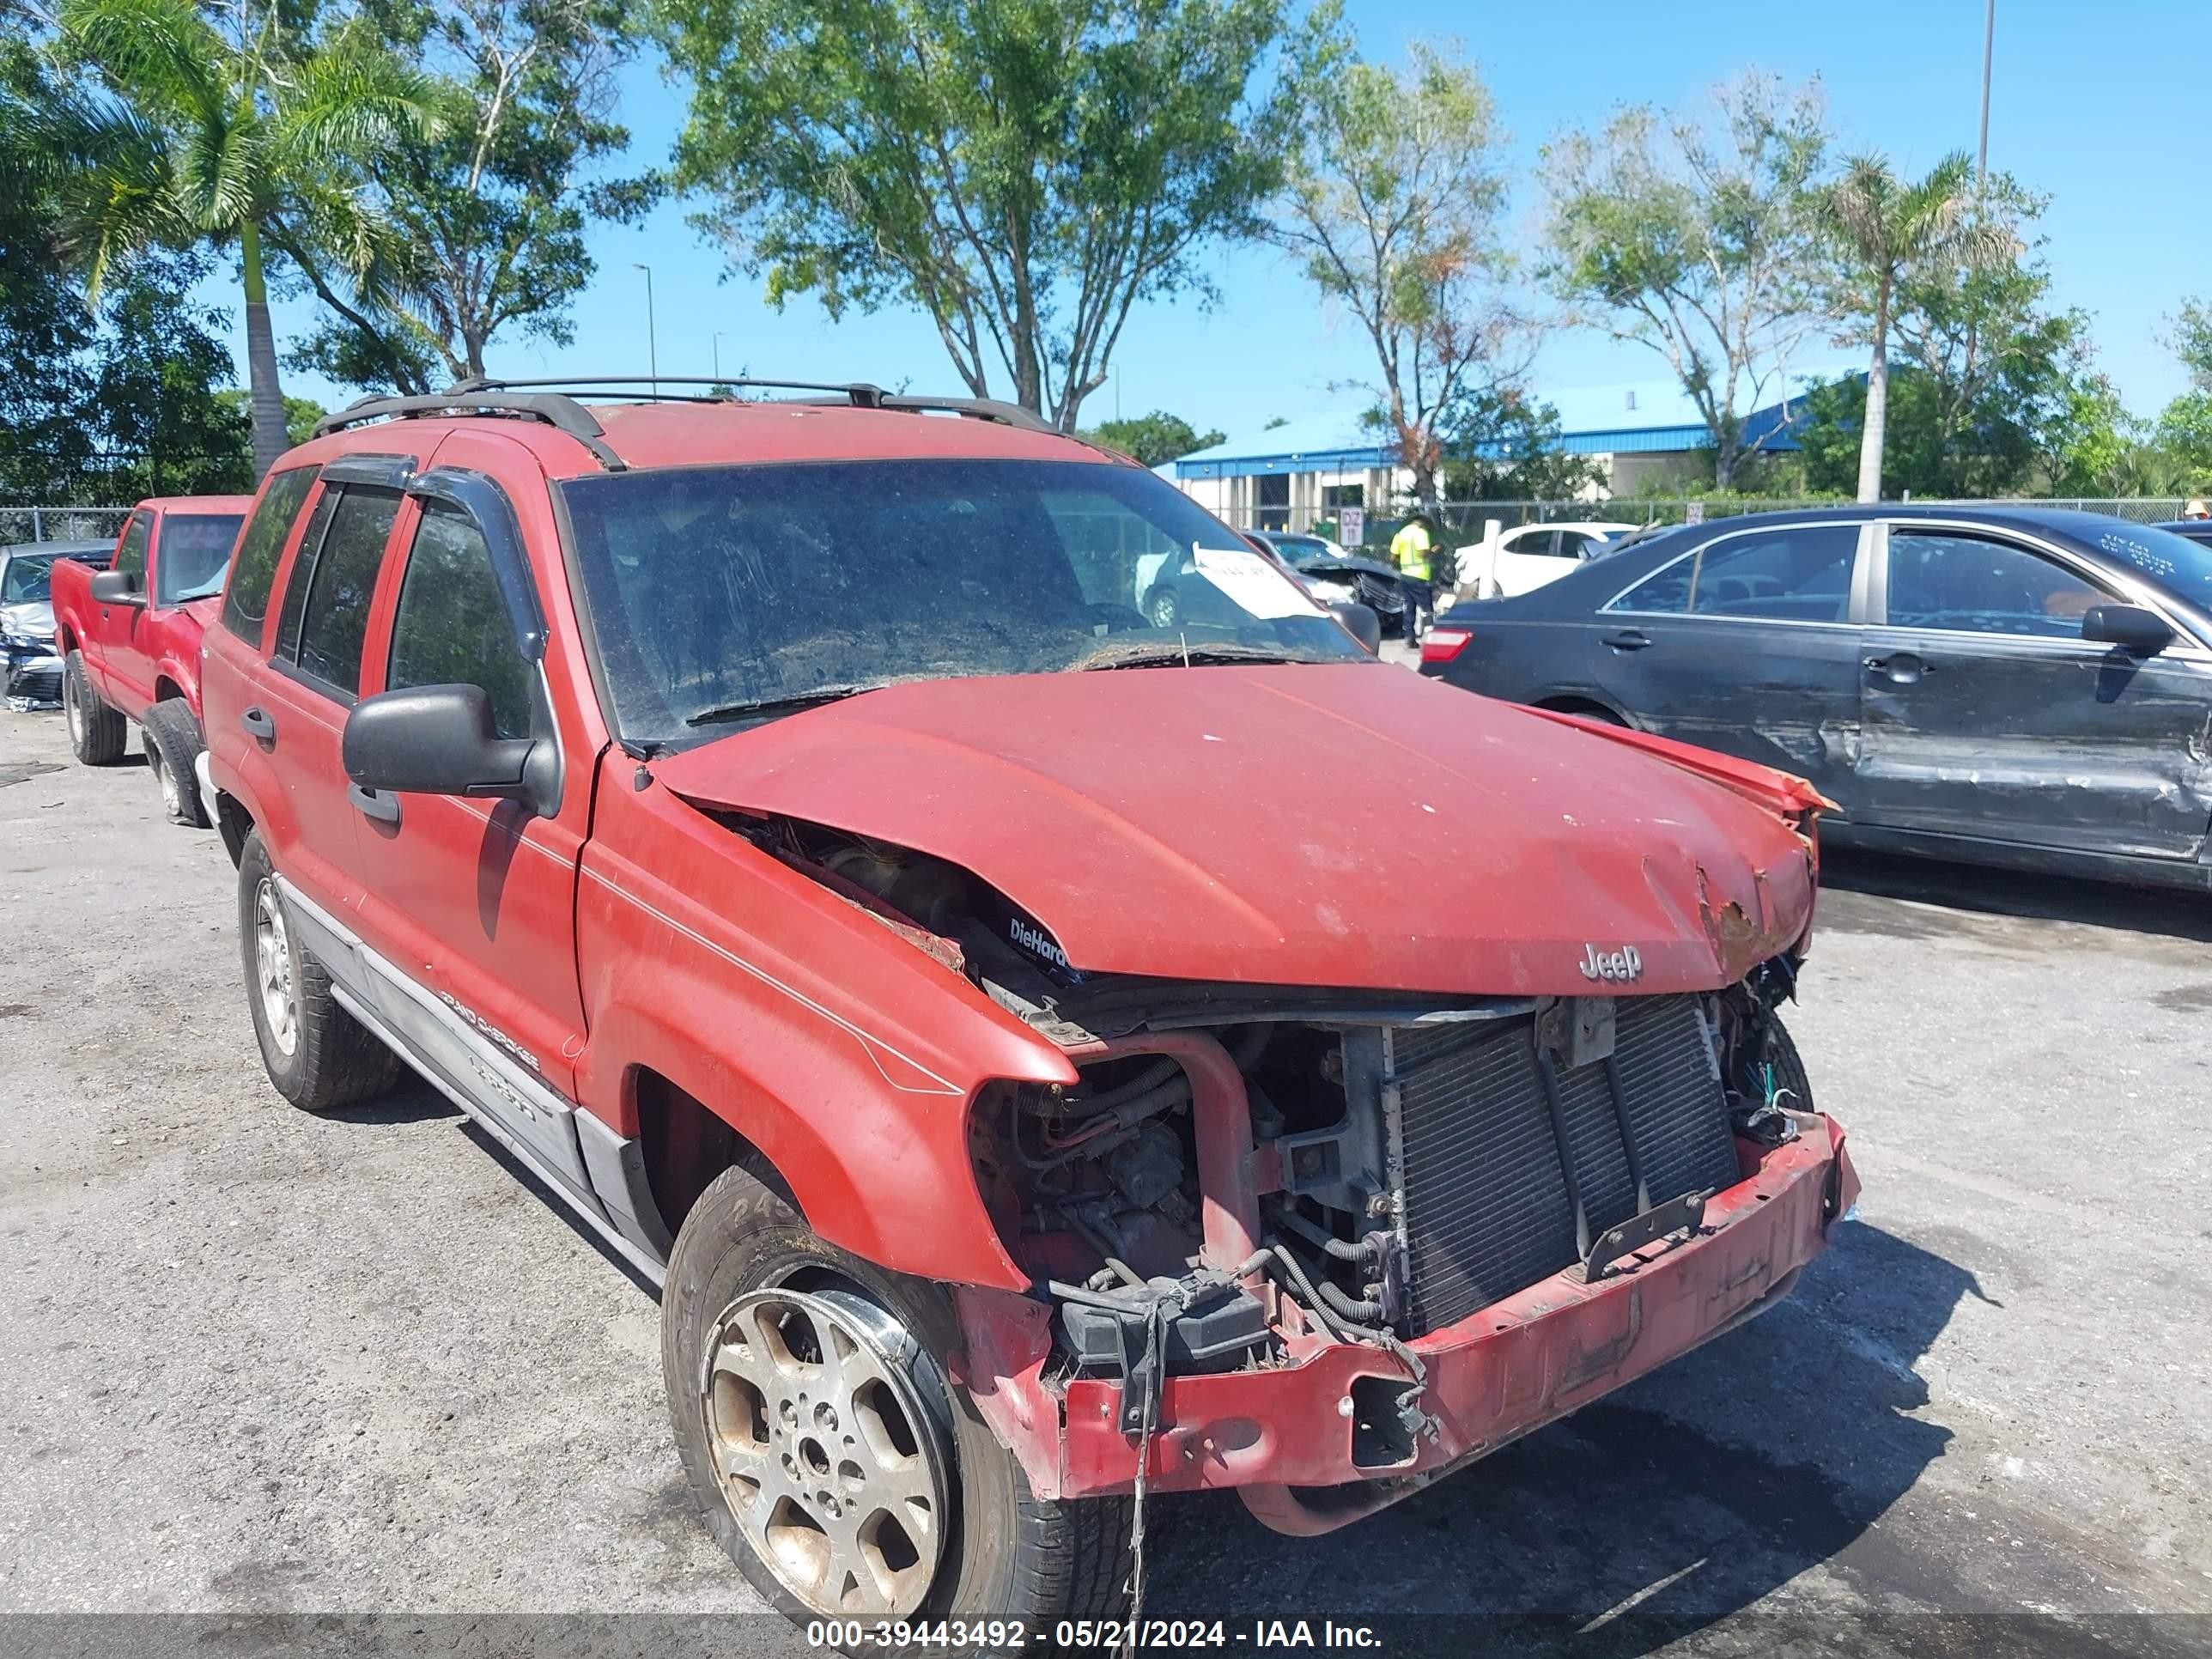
x=1160, y=654
x=790, y=705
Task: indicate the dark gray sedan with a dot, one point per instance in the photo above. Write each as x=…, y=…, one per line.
x=2015, y=686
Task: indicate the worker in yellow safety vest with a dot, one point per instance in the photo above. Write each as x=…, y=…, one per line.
x=1409, y=549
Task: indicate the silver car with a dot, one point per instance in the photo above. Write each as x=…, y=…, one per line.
x=30, y=672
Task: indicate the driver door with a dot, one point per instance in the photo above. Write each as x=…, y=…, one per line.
x=1986, y=713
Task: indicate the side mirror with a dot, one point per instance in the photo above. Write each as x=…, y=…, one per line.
x=116, y=588
x=2128, y=626
x=1362, y=624
x=438, y=740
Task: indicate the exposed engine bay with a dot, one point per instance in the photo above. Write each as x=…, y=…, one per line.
x=1414, y=1159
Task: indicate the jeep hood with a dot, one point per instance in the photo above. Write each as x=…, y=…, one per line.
x=1350, y=825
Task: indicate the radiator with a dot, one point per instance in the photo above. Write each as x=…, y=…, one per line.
x=1486, y=1200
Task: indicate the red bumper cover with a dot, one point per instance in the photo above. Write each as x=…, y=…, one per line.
x=1493, y=1376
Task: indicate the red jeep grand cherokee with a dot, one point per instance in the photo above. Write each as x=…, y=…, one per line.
x=1044, y=1057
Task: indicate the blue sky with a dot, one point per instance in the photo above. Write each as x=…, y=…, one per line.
x=2094, y=105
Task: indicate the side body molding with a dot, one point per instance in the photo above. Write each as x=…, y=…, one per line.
x=598, y=1173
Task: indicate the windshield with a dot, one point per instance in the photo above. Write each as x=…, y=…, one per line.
x=27, y=579
x=2182, y=567
x=718, y=590
x=195, y=552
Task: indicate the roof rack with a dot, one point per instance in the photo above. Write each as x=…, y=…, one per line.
x=564, y=414
x=551, y=401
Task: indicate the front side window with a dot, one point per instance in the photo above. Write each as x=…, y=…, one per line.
x=1972, y=584
x=727, y=593
x=334, y=623
x=1800, y=573
x=195, y=552
x=452, y=627
x=130, y=551
x=246, y=601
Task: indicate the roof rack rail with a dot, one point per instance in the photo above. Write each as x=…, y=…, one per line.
x=981, y=409
x=563, y=414
x=551, y=402
x=858, y=393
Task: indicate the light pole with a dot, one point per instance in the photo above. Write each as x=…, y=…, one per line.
x=1988, y=51
x=718, y=354
x=651, y=336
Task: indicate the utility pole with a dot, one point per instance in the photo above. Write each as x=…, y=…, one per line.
x=1988, y=51
x=718, y=352
x=651, y=335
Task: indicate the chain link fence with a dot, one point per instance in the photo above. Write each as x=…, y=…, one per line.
x=60, y=523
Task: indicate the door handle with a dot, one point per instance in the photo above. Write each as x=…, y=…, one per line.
x=378, y=804
x=259, y=723
x=1627, y=639
x=1903, y=666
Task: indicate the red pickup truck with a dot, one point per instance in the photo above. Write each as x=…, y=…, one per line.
x=129, y=637
x=1048, y=1060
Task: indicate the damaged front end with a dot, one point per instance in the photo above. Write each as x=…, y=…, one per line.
x=1324, y=1245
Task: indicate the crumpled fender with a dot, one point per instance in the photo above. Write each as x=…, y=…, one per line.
x=1788, y=794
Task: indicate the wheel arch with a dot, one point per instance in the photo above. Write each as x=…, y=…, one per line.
x=1580, y=700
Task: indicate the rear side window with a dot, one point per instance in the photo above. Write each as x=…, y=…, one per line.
x=195, y=548
x=245, y=601
x=1795, y=574
x=335, y=621
x=130, y=552
x=453, y=627
x=1665, y=592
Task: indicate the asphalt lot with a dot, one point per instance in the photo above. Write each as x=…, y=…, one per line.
x=257, y=1362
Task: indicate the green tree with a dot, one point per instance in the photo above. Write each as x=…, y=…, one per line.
x=1883, y=230
x=106, y=402
x=1504, y=446
x=488, y=212
x=2191, y=341
x=1153, y=438
x=1392, y=208
x=1983, y=371
x=220, y=139
x=1024, y=171
x=1696, y=236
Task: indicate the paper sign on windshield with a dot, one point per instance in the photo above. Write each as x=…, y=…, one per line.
x=1253, y=583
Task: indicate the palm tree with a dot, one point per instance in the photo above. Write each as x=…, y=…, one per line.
x=231, y=142
x=1881, y=228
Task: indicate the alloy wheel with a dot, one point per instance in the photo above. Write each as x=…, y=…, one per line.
x=273, y=967
x=72, y=711
x=827, y=1453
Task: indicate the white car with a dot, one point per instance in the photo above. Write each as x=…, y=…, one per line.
x=1525, y=557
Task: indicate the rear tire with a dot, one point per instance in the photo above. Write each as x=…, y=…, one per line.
x=1000, y=1552
x=1162, y=608
x=172, y=744
x=318, y=1056
x=98, y=735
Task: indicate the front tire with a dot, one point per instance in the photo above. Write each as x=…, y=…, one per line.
x=831, y=1457
x=97, y=733
x=172, y=744
x=318, y=1056
x=1163, y=608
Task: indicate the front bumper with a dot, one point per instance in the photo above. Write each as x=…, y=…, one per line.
x=1493, y=1376
x=31, y=676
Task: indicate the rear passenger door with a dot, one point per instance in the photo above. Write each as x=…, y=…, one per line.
x=1987, y=714
x=1748, y=645
x=312, y=677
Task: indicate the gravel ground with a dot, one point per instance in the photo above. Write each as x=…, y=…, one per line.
x=260, y=1362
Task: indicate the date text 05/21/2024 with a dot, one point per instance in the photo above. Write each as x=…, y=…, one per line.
x=996, y=1635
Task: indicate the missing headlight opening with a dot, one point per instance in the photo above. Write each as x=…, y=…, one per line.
x=1243, y=1174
